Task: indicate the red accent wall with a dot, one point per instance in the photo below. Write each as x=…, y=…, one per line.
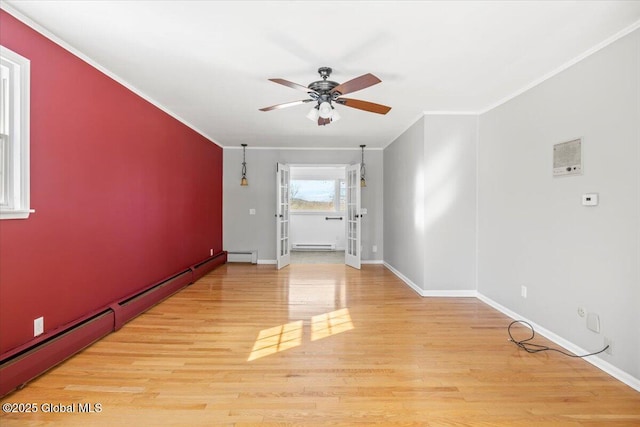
x=124, y=194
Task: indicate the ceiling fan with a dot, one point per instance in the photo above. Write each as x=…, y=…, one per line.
x=325, y=93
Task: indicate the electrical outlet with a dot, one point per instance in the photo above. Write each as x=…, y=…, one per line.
x=374, y=249
x=211, y=252
x=581, y=311
x=38, y=326
x=608, y=342
x=523, y=291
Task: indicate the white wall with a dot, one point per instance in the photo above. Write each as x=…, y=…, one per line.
x=315, y=228
x=242, y=231
x=430, y=205
x=533, y=230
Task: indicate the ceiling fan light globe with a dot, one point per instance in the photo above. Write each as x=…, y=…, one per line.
x=335, y=116
x=313, y=115
x=325, y=110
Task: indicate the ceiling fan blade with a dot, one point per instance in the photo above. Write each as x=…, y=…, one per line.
x=364, y=105
x=285, y=105
x=358, y=83
x=322, y=122
x=291, y=85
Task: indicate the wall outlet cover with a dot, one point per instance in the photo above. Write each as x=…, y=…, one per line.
x=38, y=326
x=590, y=199
x=593, y=322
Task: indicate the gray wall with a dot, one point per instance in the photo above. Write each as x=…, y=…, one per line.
x=242, y=231
x=430, y=203
x=533, y=230
x=404, y=203
x=450, y=202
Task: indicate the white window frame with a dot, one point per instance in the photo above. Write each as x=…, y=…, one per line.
x=14, y=140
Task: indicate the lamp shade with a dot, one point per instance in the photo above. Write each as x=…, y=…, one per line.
x=335, y=116
x=313, y=115
x=325, y=110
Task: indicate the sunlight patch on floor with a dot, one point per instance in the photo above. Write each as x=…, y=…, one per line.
x=278, y=338
x=327, y=324
x=289, y=335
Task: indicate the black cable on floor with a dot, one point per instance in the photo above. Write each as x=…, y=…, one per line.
x=530, y=347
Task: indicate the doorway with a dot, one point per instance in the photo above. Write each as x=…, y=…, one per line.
x=318, y=217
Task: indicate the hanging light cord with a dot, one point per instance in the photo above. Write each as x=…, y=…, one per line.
x=244, y=163
x=530, y=347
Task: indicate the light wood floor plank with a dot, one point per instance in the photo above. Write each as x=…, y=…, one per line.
x=321, y=345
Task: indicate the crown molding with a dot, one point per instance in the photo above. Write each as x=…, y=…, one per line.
x=57, y=40
x=305, y=148
x=617, y=36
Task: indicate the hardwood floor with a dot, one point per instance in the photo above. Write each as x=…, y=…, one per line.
x=320, y=345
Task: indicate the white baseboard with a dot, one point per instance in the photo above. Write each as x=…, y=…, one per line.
x=596, y=361
x=273, y=261
x=372, y=261
x=405, y=279
x=461, y=293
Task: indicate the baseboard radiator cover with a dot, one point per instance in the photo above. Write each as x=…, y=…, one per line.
x=243, y=256
x=313, y=247
x=134, y=305
x=201, y=269
x=27, y=365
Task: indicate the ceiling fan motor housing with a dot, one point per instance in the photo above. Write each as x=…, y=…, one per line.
x=324, y=86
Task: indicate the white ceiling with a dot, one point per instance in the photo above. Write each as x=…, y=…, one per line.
x=207, y=62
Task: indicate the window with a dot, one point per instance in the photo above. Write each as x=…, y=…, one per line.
x=14, y=135
x=318, y=195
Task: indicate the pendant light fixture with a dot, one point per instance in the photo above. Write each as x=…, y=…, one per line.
x=243, y=181
x=363, y=181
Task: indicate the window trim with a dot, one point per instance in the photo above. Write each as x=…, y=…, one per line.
x=18, y=170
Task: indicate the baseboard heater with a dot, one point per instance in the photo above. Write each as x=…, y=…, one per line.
x=30, y=363
x=140, y=302
x=201, y=269
x=314, y=247
x=243, y=256
x=24, y=364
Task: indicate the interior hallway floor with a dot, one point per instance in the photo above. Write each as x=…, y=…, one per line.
x=317, y=257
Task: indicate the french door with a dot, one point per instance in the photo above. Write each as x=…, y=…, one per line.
x=283, y=245
x=352, y=251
